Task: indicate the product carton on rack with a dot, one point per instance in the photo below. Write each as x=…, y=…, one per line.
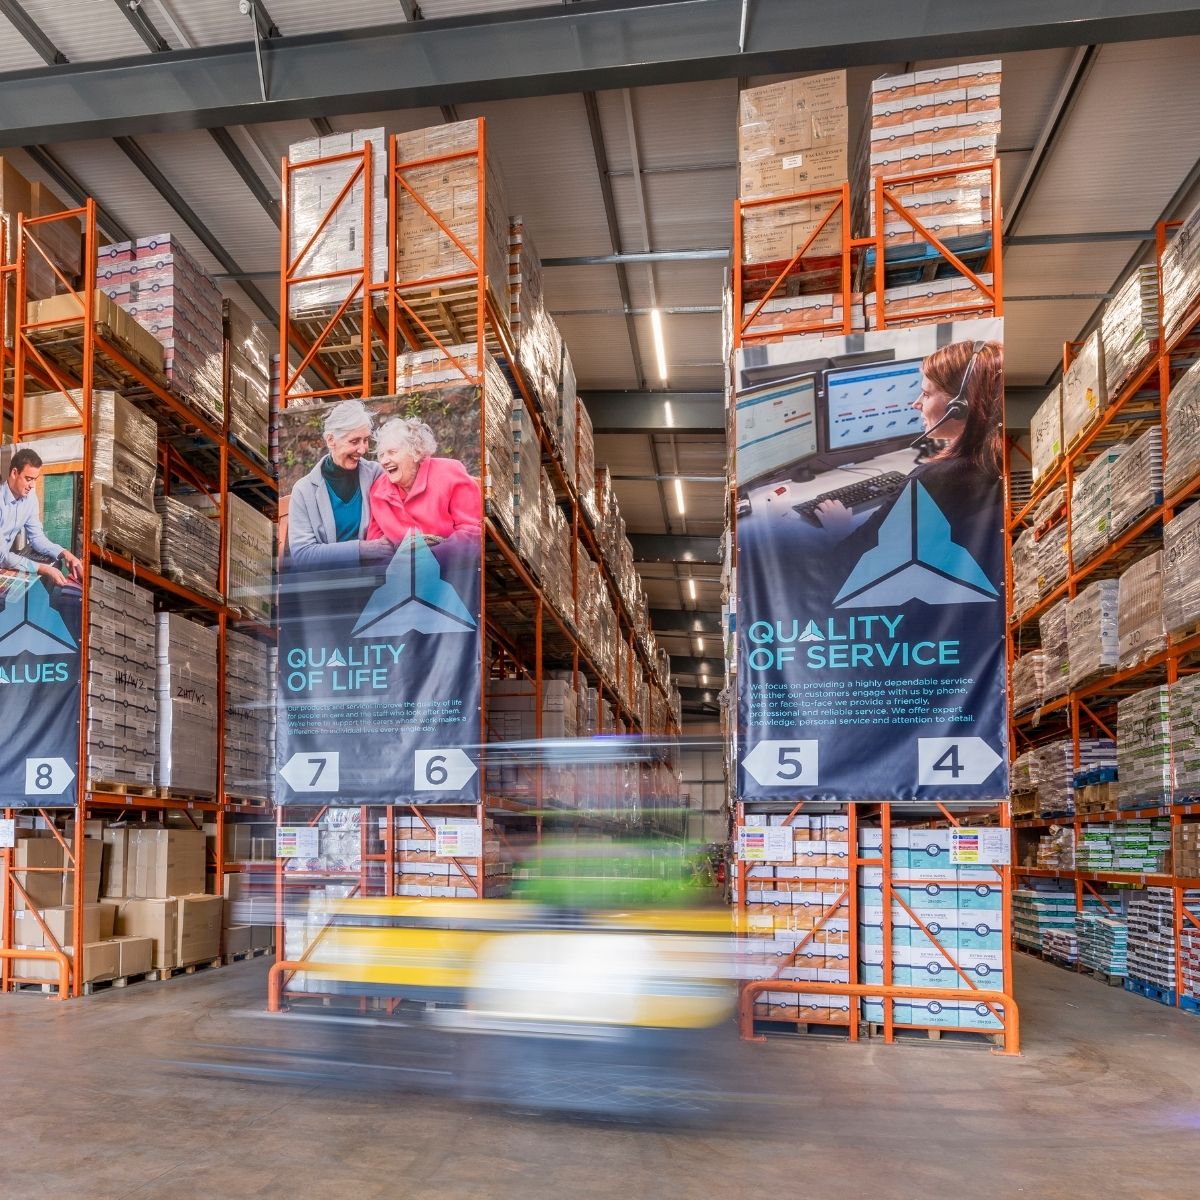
x=1144, y=749
x=109, y=317
x=187, y=697
x=1092, y=493
x=1045, y=434
x=1181, y=570
x=1137, y=480
x=198, y=930
x=1129, y=328
x=1084, y=395
x=157, y=920
x=166, y=862
x=1093, y=644
x=324, y=239
x=248, y=348
x=1141, y=632
x=1183, y=430
x=1181, y=274
x=926, y=302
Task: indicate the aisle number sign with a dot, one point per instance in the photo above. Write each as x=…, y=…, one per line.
x=459, y=841
x=981, y=846
x=766, y=843
x=297, y=841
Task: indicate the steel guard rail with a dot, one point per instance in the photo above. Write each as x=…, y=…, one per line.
x=884, y=991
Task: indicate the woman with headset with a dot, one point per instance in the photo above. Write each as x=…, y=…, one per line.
x=962, y=400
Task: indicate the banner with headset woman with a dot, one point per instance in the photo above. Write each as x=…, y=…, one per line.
x=379, y=600
x=871, y=543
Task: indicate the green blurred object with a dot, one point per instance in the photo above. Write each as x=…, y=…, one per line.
x=612, y=875
x=60, y=507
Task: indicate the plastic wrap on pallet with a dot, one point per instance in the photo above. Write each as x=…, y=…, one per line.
x=1028, y=681
x=1144, y=749
x=249, y=553
x=1181, y=274
x=125, y=527
x=556, y=552
x=541, y=360
x=1092, y=506
x=1053, y=625
x=1055, y=779
x=249, y=700
x=1023, y=775
x=524, y=279
x=1093, y=646
x=1025, y=572
x=124, y=439
x=425, y=251
x=586, y=461
x=1141, y=630
x=1184, y=701
x=1037, y=914
x=1103, y=941
x=1185, y=850
x=1151, y=944
x=1137, y=480
x=160, y=285
x=191, y=546
x=568, y=405
x=187, y=704
x=1056, y=852
x=1052, y=558
x=1051, y=506
x=1129, y=327
x=248, y=346
x=1084, y=396
x=1181, y=571
x=527, y=486
x=324, y=239
x=121, y=708
x=1183, y=430
x=1045, y=434
x=925, y=302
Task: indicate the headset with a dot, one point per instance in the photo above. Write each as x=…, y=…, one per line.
x=956, y=407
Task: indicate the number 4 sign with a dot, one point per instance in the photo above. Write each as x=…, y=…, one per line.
x=965, y=761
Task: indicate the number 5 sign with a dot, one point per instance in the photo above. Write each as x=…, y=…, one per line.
x=786, y=763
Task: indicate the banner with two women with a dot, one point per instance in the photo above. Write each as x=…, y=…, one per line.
x=379, y=599
x=871, y=577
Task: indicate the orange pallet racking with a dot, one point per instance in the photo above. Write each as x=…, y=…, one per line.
x=77, y=353
x=868, y=259
x=1089, y=710
x=350, y=348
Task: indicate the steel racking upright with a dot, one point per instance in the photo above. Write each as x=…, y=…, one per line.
x=1089, y=710
x=79, y=353
x=349, y=349
x=870, y=260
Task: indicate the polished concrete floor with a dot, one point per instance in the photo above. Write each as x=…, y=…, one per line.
x=171, y=1090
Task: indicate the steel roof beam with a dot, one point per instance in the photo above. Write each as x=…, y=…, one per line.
x=656, y=412
x=672, y=621
x=593, y=45
x=143, y=26
x=32, y=32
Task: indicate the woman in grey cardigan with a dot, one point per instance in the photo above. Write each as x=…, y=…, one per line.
x=330, y=507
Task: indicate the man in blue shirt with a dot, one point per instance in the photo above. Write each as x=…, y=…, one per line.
x=19, y=514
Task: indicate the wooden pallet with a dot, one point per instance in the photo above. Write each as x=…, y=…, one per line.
x=340, y=352
x=162, y=974
x=243, y=955
x=448, y=311
x=1104, y=977
x=121, y=981
x=947, y=1034
x=118, y=787
x=771, y=1027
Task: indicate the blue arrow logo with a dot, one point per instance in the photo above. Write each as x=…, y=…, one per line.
x=414, y=598
x=915, y=558
x=30, y=625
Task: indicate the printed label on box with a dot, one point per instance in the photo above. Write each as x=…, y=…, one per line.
x=459, y=841
x=297, y=841
x=981, y=846
x=766, y=843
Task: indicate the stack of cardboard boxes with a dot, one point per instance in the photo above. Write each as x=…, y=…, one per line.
x=1140, y=629
x=1181, y=274
x=327, y=236
x=1151, y=953
x=1183, y=430
x=248, y=347
x=249, y=717
x=191, y=546
x=187, y=705
x=159, y=284
x=123, y=468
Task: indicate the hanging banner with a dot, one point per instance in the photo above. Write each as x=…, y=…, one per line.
x=40, y=628
x=870, y=544
x=379, y=600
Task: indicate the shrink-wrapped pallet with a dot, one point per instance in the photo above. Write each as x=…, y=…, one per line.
x=1129, y=328
x=1141, y=630
x=191, y=546
x=1084, y=396
x=1053, y=626
x=1024, y=573
x=249, y=702
x=1092, y=507
x=1092, y=638
x=1045, y=434
x=1028, y=681
x=1181, y=572
x=1183, y=430
x=248, y=348
x=1144, y=749
x=1137, y=480
x=1053, y=564
x=1184, y=702
x=187, y=705
x=1181, y=274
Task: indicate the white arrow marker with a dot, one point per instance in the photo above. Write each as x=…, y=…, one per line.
x=47, y=776
x=965, y=761
x=441, y=770
x=312, y=771
x=783, y=763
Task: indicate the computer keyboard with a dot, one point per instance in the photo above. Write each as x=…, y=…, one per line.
x=863, y=494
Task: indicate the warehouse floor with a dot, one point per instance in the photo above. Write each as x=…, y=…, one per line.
x=104, y=1100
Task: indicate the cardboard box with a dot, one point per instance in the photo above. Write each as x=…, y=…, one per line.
x=156, y=919
x=135, y=956
x=60, y=921
x=69, y=307
x=167, y=862
x=239, y=939
x=198, y=932
x=92, y=863
x=100, y=960
x=37, y=863
x=116, y=873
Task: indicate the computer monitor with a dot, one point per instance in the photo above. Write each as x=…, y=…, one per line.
x=775, y=425
x=869, y=404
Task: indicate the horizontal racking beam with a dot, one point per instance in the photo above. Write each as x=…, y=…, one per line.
x=672, y=547
x=601, y=44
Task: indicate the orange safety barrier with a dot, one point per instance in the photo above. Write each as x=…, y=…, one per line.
x=64, y=965
x=885, y=991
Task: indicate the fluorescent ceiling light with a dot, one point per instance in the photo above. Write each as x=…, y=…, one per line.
x=660, y=348
x=692, y=587
x=668, y=415
x=704, y=681
x=699, y=644
x=679, y=504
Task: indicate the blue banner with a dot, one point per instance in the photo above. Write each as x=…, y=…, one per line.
x=871, y=575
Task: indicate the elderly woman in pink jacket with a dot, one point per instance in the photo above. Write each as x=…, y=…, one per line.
x=418, y=493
